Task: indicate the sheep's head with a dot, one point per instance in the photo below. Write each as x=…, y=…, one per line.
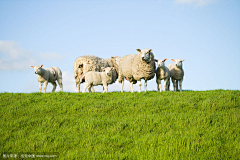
x=37, y=69
x=178, y=62
x=116, y=59
x=161, y=63
x=146, y=54
x=108, y=70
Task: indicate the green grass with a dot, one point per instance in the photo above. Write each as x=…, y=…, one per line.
x=151, y=125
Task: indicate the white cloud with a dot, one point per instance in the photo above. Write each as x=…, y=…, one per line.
x=13, y=57
x=195, y=2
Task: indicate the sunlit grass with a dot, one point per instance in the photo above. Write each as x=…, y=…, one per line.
x=151, y=125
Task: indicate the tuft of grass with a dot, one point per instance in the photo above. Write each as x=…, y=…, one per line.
x=151, y=125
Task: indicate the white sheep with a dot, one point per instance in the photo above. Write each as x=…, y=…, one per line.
x=176, y=73
x=45, y=75
x=98, y=78
x=162, y=73
x=135, y=67
x=84, y=64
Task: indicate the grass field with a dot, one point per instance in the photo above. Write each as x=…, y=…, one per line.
x=151, y=125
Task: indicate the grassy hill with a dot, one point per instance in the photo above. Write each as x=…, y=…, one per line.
x=151, y=125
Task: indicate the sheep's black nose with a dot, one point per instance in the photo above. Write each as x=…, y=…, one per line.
x=142, y=58
x=35, y=72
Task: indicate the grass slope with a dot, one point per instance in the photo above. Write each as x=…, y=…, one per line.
x=151, y=125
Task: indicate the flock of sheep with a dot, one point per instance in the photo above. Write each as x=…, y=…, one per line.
x=97, y=71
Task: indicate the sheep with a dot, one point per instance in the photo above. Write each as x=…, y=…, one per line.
x=135, y=67
x=115, y=61
x=98, y=78
x=84, y=64
x=176, y=73
x=162, y=73
x=45, y=75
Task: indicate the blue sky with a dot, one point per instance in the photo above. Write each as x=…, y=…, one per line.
x=204, y=32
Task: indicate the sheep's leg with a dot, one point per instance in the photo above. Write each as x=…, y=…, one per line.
x=139, y=83
x=45, y=86
x=165, y=84
x=85, y=87
x=40, y=86
x=159, y=86
x=168, y=85
x=122, y=86
x=78, y=87
x=59, y=80
x=174, y=84
x=92, y=89
x=145, y=85
x=89, y=89
x=131, y=86
x=105, y=87
x=54, y=86
x=180, y=85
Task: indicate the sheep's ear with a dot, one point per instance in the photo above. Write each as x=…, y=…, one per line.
x=150, y=50
x=173, y=60
x=112, y=68
x=139, y=50
x=42, y=65
x=103, y=68
x=155, y=60
x=183, y=60
x=164, y=60
x=32, y=66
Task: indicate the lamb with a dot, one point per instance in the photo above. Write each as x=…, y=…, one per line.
x=45, y=75
x=135, y=67
x=98, y=78
x=84, y=64
x=176, y=73
x=162, y=73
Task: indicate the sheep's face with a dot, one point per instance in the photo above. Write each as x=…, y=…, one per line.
x=37, y=69
x=145, y=54
x=161, y=63
x=178, y=62
x=108, y=70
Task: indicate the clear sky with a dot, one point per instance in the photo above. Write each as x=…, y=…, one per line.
x=204, y=32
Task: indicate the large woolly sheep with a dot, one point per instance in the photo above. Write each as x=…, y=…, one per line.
x=162, y=73
x=98, y=78
x=45, y=75
x=176, y=73
x=135, y=67
x=84, y=64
